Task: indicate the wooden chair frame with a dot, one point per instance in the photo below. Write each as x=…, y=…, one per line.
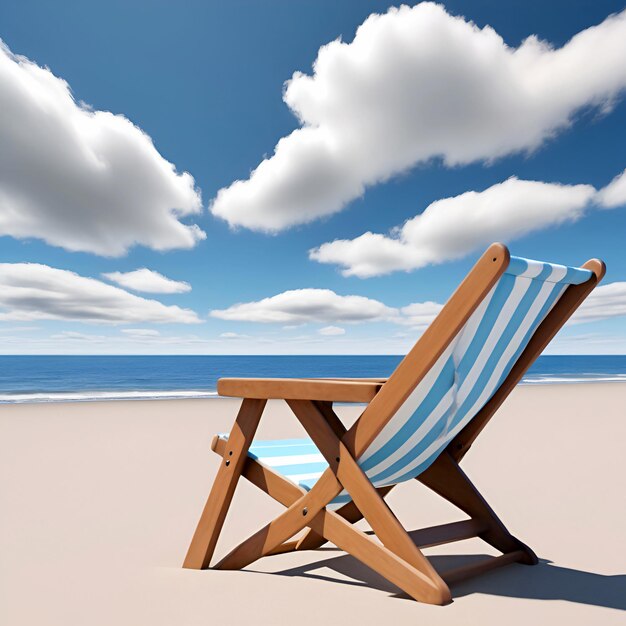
x=397, y=557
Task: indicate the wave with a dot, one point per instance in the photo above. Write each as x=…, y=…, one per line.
x=548, y=379
x=92, y=396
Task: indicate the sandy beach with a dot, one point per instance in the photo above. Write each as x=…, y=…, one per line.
x=99, y=501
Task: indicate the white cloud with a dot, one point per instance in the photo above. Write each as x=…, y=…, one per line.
x=30, y=291
x=230, y=335
x=614, y=194
x=18, y=329
x=75, y=336
x=332, y=331
x=323, y=305
x=304, y=306
x=417, y=84
x=80, y=179
x=141, y=332
x=454, y=227
x=589, y=343
x=147, y=281
x=604, y=302
x=308, y=305
x=71, y=342
x=420, y=314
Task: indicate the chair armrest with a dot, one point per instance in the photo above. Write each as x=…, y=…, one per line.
x=330, y=390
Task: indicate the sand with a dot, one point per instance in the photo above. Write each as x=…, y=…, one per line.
x=98, y=502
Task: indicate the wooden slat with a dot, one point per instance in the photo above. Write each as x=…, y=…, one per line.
x=458, y=574
x=444, y=533
x=447, y=533
x=299, y=389
x=288, y=546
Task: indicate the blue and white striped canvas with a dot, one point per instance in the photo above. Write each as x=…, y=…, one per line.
x=460, y=383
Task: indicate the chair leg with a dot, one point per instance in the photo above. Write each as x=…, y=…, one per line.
x=235, y=454
x=333, y=527
x=365, y=496
x=412, y=580
x=447, y=479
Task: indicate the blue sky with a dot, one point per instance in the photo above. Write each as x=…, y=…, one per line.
x=204, y=80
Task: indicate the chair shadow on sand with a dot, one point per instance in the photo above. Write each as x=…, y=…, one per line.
x=544, y=581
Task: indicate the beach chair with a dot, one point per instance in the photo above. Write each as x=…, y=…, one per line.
x=418, y=424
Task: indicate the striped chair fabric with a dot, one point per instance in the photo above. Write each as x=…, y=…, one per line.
x=460, y=383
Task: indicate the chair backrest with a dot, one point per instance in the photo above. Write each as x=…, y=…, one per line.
x=473, y=364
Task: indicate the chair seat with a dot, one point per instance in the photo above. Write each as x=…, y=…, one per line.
x=301, y=462
x=298, y=460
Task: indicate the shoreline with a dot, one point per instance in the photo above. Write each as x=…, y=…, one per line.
x=53, y=379
x=140, y=395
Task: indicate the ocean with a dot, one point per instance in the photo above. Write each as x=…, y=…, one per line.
x=82, y=378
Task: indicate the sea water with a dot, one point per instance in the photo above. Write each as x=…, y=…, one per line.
x=75, y=378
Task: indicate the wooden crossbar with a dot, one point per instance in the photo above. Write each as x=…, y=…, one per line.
x=459, y=574
x=444, y=533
